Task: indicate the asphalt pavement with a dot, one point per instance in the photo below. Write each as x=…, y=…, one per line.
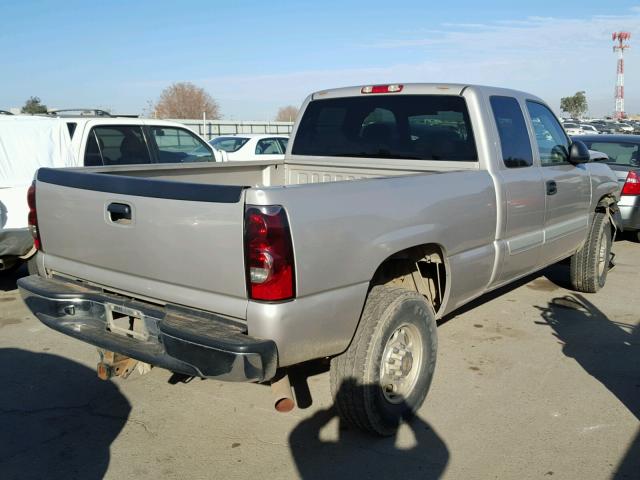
x=532, y=381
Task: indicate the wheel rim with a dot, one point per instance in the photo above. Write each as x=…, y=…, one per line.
x=401, y=362
x=602, y=254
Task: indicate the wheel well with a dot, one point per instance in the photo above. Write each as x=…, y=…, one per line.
x=421, y=268
x=607, y=205
x=605, y=202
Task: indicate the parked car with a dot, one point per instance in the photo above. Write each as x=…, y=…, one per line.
x=636, y=126
x=623, y=152
x=251, y=146
x=572, y=128
x=394, y=206
x=588, y=129
x=623, y=127
x=87, y=138
x=603, y=126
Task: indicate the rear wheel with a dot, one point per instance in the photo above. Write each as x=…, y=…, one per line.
x=590, y=264
x=386, y=372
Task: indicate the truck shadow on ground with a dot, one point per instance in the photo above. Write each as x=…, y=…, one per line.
x=57, y=419
x=8, y=279
x=609, y=351
x=356, y=455
x=550, y=279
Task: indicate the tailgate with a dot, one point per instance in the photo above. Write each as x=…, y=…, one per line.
x=182, y=244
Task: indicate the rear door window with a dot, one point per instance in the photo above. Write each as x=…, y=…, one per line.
x=283, y=143
x=179, y=145
x=116, y=145
x=268, y=146
x=513, y=133
x=416, y=127
x=229, y=144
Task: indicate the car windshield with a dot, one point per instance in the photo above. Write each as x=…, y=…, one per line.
x=414, y=127
x=228, y=144
x=570, y=125
x=619, y=153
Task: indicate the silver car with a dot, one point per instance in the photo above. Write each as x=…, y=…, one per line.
x=624, y=159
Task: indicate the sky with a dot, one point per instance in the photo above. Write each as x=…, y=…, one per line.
x=256, y=56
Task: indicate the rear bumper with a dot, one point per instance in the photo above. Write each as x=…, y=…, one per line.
x=630, y=211
x=180, y=340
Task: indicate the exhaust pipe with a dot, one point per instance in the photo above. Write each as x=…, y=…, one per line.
x=281, y=389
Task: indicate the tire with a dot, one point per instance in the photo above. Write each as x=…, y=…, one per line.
x=590, y=264
x=390, y=318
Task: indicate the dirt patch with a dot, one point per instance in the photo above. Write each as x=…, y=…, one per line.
x=542, y=285
x=5, y=322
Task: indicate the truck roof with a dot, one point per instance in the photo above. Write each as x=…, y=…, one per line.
x=419, y=89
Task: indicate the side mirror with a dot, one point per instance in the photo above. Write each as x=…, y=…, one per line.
x=598, y=156
x=578, y=153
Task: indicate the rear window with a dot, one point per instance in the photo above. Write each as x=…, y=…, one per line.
x=228, y=144
x=619, y=153
x=417, y=127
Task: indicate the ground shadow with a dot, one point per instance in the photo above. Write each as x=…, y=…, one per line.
x=557, y=274
x=57, y=419
x=9, y=278
x=356, y=455
x=607, y=350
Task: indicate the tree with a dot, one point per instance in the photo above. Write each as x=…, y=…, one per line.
x=287, y=114
x=576, y=105
x=185, y=100
x=33, y=106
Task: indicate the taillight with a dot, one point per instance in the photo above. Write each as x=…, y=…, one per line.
x=33, y=217
x=632, y=184
x=268, y=253
x=382, y=89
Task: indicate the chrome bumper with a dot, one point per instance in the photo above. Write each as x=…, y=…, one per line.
x=178, y=339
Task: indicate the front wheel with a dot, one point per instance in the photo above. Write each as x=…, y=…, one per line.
x=386, y=372
x=590, y=264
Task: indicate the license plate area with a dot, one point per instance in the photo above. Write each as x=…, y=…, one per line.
x=126, y=322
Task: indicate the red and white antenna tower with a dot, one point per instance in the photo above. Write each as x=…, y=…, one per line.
x=620, y=38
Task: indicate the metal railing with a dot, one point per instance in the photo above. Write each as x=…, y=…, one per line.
x=213, y=128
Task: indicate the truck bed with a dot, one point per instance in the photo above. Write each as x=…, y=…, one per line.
x=280, y=172
x=184, y=243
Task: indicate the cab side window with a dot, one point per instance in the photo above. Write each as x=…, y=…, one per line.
x=553, y=144
x=512, y=130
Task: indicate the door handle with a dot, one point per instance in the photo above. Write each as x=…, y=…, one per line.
x=119, y=212
x=552, y=187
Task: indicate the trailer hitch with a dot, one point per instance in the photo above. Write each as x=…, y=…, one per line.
x=113, y=364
